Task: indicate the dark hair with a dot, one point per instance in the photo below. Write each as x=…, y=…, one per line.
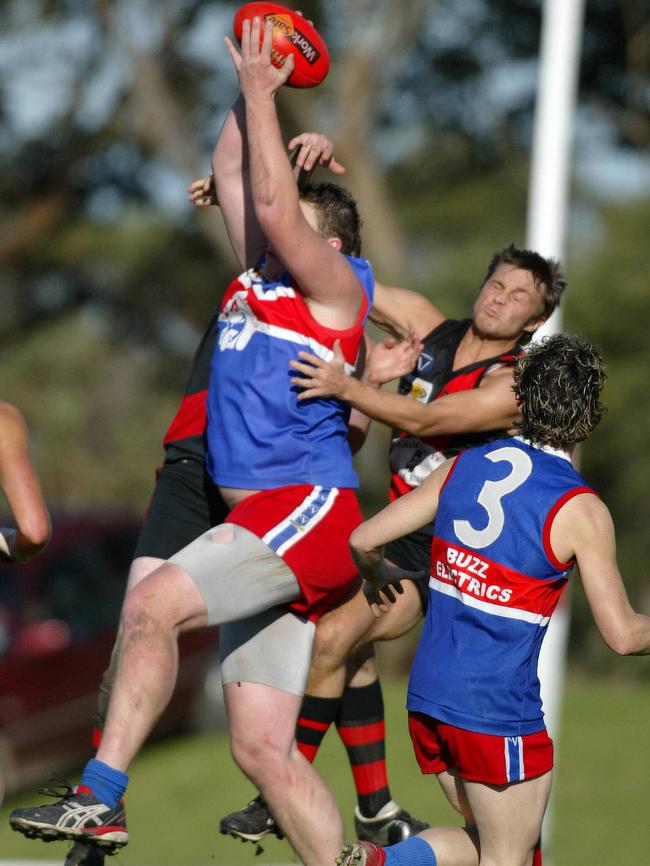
x=338, y=215
x=547, y=273
x=558, y=383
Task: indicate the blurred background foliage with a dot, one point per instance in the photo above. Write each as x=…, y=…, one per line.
x=109, y=108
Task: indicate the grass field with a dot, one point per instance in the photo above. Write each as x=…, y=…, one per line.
x=180, y=788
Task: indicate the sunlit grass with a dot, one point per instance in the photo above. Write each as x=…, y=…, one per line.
x=180, y=788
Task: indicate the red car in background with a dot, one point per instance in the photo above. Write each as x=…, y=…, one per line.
x=58, y=620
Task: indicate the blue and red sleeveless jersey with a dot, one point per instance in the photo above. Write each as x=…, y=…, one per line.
x=494, y=584
x=259, y=435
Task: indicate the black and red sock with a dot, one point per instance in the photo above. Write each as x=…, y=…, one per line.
x=361, y=727
x=316, y=715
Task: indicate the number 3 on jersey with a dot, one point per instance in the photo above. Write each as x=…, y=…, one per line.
x=490, y=498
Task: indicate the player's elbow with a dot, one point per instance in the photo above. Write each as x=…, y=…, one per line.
x=273, y=217
x=418, y=426
x=35, y=533
x=622, y=642
x=359, y=541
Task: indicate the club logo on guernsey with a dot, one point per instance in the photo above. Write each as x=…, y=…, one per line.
x=470, y=574
x=236, y=324
x=420, y=390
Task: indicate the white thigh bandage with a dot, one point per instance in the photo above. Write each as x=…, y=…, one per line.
x=273, y=648
x=236, y=573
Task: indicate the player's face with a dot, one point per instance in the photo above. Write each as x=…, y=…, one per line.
x=508, y=304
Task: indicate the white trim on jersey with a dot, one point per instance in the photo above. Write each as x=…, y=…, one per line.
x=272, y=294
x=548, y=449
x=486, y=606
x=301, y=339
x=285, y=334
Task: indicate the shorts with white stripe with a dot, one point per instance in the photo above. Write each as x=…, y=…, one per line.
x=308, y=527
x=487, y=758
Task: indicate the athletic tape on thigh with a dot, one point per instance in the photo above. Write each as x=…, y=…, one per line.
x=236, y=573
x=273, y=648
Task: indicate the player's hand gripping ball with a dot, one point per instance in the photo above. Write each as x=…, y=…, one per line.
x=292, y=34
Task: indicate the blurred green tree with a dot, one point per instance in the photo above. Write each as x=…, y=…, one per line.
x=109, y=108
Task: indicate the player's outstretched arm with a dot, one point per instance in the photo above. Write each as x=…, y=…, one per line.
x=401, y=517
x=316, y=264
x=583, y=528
x=230, y=187
x=403, y=311
x=491, y=406
x=20, y=485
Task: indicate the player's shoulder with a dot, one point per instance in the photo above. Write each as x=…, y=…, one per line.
x=585, y=513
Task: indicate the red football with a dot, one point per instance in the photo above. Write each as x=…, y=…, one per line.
x=292, y=34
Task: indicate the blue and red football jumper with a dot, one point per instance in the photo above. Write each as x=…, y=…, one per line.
x=494, y=584
x=260, y=436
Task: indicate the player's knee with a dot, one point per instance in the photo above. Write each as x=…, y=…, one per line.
x=259, y=759
x=140, y=618
x=330, y=647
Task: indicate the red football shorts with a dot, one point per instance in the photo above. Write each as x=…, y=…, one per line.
x=487, y=758
x=309, y=528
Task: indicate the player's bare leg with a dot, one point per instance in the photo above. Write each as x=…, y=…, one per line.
x=509, y=819
x=262, y=725
x=350, y=627
x=343, y=655
x=502, y=829
x=141, y=567
x=455, y=846
x=163, y=604
x=85, y=853
x=343, y=687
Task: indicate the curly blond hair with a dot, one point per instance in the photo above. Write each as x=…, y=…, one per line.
x=558, y=383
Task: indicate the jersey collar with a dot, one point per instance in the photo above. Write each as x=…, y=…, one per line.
x=548, y=449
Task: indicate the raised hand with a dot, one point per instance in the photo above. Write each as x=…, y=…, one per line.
x=312, y=149
x=258, y=77
x=391, y=359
